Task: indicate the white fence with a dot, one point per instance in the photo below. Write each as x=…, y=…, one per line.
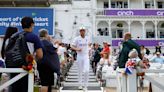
x=128, y=83
x=16, y=78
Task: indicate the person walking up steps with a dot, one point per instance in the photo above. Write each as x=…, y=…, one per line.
x=81, y=46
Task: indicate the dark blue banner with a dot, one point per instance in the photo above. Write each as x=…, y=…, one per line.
x=43, y=18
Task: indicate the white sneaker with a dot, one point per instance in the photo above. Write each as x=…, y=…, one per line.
x=80, y=87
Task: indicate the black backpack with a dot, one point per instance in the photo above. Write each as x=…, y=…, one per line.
x=16, y=51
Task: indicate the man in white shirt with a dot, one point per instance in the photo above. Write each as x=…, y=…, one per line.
x=158, y=58
x=81, y=46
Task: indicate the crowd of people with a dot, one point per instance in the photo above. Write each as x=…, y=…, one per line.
x=130, y=55
x=53, y=56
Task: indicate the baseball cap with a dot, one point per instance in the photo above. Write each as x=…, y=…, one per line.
x=158, y=53
x=82, y=28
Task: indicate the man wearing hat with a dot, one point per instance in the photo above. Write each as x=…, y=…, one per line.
x=81, y=46
x=158, y=58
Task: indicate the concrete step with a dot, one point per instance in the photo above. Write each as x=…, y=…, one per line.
x=76, y=68
x=76, y=77
x=91, y=84
x=76, y=65
x=75, y=71
x=75, y=89
x=76, y=80
x=76, y=74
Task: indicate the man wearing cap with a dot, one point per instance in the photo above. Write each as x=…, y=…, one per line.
x=81, y=46
x=158, y=58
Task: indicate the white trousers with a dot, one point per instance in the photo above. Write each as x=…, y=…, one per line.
x=83, y=69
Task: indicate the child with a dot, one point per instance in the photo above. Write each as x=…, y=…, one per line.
x=105, y=59
x=104, y=62
x=132, y=62
x=107, y=69
x=103, y=65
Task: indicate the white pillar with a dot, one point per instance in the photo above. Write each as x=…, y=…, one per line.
x=30, y=82
x=132, y=82
x=155, y=4
x=109, y=2
x=129, y=4
x=143, y=4
x=109, y=28
x=156, y=31
x=122, y=81
x=143, y=29
x=129, y=25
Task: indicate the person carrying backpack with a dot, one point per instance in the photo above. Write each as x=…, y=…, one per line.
x=9, y=32
x=17, y=49
x=49, y=64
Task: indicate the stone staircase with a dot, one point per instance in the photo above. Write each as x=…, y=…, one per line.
x=71, y=84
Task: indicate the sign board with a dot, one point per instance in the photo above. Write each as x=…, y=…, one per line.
x=43, y=18
x=134, y=12
x=150, y=43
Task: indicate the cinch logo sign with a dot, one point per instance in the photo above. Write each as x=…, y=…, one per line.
x=160, y=13
x=134, y=12
x=125, y=13
x=161, y=43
